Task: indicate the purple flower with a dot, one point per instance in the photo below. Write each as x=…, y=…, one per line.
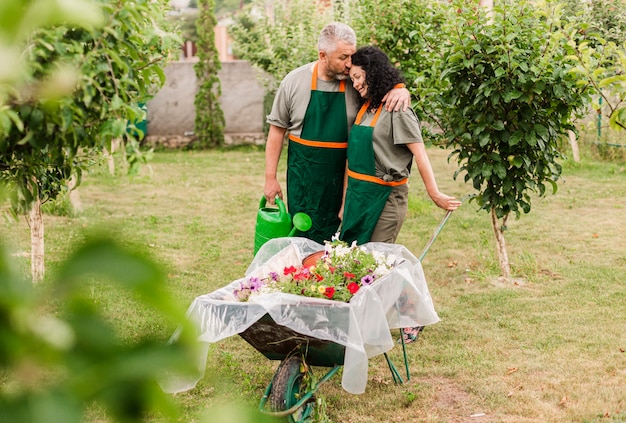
x=254, y=283
x=273, y=276
x=367, y=279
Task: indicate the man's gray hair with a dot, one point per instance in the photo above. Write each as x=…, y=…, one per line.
x=333, y=32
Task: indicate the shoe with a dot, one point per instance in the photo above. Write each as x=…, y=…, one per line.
x=411, y=334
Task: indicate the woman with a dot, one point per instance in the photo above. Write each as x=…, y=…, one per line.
x=381, y=148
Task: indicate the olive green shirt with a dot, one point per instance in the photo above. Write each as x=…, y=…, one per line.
x=293, y=96
x=392, y=132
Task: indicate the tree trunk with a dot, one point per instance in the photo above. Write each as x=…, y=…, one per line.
x=498, y=230
x=574, y=144
x=35, y=221
x=115, y=145
x=77, y=205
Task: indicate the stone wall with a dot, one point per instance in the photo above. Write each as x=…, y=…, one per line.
x=171, y=113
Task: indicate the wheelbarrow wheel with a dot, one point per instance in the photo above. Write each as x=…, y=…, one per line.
x=286, y=385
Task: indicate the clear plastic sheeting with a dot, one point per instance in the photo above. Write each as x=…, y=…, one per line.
x=399, y=299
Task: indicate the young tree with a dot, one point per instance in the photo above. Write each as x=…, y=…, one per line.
x=511, y=98
x=209, y=123
x=84, y=86
x=496, y=85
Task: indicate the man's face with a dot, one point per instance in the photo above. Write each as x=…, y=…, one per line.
x=339, y=61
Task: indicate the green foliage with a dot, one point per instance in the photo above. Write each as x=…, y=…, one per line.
x=59, y=206
x=57, y=364
x=226, y=7
x=598, y=50
x=84, y=89
x=209, y=123
x=510, y=98
x=186, y=23
x=20, y=18
x=282, y=42
x=608, y=18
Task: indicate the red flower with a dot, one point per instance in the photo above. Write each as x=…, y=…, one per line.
x=330, y=291
x=302, y=274
x=353, y=287
x=289, y=270
x=332, y=269
x=319, y=277
x=349, y=275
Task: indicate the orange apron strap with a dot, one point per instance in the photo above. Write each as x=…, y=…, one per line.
x=320, y=144
x=342, y=83
x=362, y=111
x=374, y=179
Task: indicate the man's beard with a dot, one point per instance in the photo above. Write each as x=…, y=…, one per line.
x=341, y=76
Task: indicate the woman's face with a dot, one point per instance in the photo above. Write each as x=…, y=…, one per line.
x=357, y=75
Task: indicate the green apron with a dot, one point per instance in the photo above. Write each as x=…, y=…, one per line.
x=316, y=162
x=366, y=194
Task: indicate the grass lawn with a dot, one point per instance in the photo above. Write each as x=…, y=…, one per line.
x=549, y=348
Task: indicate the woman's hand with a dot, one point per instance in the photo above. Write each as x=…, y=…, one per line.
x=446, y=202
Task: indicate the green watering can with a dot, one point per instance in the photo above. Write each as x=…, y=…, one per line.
x=272, y=222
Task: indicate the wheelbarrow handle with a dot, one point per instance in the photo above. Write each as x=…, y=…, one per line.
x=435, y=234
x=443, y=222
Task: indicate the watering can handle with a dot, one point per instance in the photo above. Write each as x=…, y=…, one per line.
x=280, y=203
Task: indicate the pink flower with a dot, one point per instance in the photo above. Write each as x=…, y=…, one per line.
x=367, y=279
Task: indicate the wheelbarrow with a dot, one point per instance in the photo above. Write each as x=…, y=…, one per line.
x=291, y=393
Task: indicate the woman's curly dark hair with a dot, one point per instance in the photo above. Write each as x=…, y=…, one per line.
x=380, y=75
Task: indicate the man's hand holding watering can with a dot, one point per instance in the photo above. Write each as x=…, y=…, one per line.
x=272, y=190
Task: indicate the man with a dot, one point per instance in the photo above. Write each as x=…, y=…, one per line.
x=317, y=106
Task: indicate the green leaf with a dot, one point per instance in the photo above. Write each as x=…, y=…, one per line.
x=541, y=130
x=484, y=139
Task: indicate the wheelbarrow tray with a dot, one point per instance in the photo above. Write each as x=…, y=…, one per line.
x=277, y=324
x=278, y=342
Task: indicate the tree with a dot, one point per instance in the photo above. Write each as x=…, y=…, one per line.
x=84, y=89
x=511, y=98
x=209, y=123
x=497, y=88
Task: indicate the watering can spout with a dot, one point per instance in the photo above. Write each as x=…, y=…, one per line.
x=301, y=222
x=276, y=222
